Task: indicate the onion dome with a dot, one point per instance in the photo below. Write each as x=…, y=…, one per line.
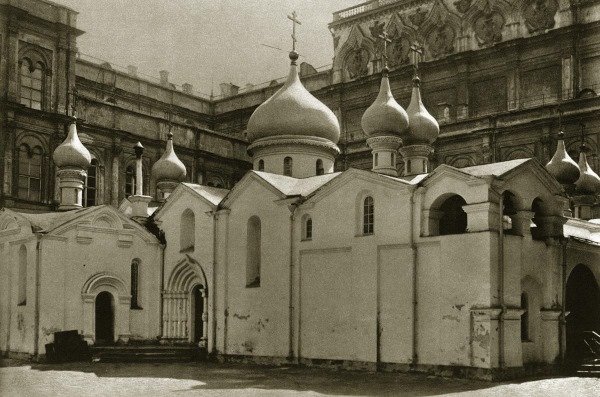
x=169, y=167
x=385, y=116
x=589, y=181
x=423, y=127
x=561, y=166
x=71, y=153
x=293, y=111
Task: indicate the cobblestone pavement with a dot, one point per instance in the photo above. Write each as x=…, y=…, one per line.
x=19, y=378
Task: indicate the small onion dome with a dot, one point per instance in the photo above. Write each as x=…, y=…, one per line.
x=423, y=127
x=72, y=153
x=169, y=167
x=589, y=181
x=293, y=111
x=561, y=166
x=385, y=116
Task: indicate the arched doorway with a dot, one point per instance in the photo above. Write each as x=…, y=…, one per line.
x=105, y=318
x=197, y=313
x=583, y=305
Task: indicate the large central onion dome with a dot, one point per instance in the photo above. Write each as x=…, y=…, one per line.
x=385, y=116
x=169, y=167
x=71, y=153
x=423, y=128
x=561, y=166
x=293, y=111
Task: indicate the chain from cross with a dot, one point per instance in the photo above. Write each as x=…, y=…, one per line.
x=417, y=51
x=384, y=36
x=295, y=21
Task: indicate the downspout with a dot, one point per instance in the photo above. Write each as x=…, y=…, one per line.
x=413, y=247
x=36, y=308
x=292, y=207
x=214, y=286
x=162, y=289
x=501, y=363
x=564, y=242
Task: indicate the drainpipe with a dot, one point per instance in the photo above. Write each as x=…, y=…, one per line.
x=162, y=289
x=213, y=297
x=413, y=246
x=501, y=362
x=292, y=207
x=36, y=308
x=564, y=242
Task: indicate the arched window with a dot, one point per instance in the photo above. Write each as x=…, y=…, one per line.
x=22, y=276
x=368, y=215
x=253, y=252
x=307, y=227
x=319, y=167
x=261, y=165
x=30, y=173
x=91, y=184
x=525, y=317
x=31, y=79
x=453, y=218
x=129, y=181
x=287, y=166
x=536, y=208
x=509, y=210
x=187, y=234
x=135, y=281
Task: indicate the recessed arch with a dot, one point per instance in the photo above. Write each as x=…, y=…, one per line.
x=583, y=305
x=446, y=215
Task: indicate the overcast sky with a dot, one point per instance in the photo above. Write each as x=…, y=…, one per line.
x=201, y=40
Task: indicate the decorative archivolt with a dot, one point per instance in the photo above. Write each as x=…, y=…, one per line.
x=520, y=153
x=356, y=53
x=107, y=220
x=8, y=222
x=185, y=275
x=462, y=161
x=402, y=36
x=439, y=31
x=487, y=19
x=36, y=55
x=99, y=281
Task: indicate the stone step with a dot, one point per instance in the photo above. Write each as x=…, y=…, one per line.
x=147, y=353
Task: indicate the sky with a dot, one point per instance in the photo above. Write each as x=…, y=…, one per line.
x=206, y=42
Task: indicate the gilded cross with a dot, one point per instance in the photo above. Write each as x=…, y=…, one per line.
x=384, y=36
x=417, y=51
x=295, y=21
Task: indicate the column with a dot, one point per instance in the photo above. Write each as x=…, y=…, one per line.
x=551, y=334
x=482, y=216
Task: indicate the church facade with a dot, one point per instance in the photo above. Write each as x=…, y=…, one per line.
x=484, y=271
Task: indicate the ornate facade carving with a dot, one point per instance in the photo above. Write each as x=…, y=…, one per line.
x=418, y=17
x=462, y=6
x=488, y=28
x=357, y=63
x=539, y=15
x=440, y=41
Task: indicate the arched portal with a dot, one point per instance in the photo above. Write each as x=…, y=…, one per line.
x=105, y=318
x=583, y=305
x=198, y=313
x=185, y=304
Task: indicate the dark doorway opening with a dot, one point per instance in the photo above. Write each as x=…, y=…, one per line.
x=583, y=303
x=105, y=318
x=198, y=312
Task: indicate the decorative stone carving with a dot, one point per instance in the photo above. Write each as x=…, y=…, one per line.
x=357, y=63
x=398, y=50
x=488, y=28
x=539, y=15
x=462, y=5
x=376, y=31
x=441, y=41
x=418, y=17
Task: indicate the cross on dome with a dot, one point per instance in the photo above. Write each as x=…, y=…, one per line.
x=295, y=21
x=384, y=36
x=417, y=51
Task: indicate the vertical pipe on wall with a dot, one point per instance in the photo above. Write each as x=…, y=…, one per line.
x=413, y=246
x=563, y=312
x=292, y=209
x=501, y=284
x=36, y=308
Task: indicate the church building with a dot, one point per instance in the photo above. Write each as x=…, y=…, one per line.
x=486, y=271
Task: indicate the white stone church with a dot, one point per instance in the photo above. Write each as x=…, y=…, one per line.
x=476, y=271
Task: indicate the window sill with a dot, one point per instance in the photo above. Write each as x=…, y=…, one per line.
x=527, y=341
x=364, y=235
x=22, y=304
x=185, y=250
x=306, y=239
x=136, y=308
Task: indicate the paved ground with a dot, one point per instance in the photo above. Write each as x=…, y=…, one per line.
x=209, y=379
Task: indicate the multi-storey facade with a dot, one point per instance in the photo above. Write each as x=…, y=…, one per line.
x=497, y=75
